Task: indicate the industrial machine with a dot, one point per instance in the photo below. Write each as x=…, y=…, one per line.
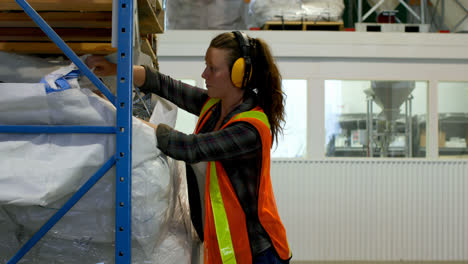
x=390, y=132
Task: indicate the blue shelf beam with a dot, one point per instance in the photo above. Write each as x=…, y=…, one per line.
x=123, y=232
x=24, y=129
x=123, y=130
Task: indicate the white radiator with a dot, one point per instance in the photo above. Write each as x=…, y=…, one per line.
x=374, y=210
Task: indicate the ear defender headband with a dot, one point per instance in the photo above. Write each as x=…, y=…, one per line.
x=242, y=68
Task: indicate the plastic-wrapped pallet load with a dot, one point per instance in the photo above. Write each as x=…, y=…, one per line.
x=40, y=172
x=177, y=242
x=8, y=240
x=206, y=14
x=297, y=10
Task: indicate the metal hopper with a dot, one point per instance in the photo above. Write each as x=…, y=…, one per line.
x=390, y=95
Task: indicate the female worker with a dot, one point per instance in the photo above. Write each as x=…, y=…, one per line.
x=240, y=115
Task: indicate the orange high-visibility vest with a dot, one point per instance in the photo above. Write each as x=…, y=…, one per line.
x=225, y=233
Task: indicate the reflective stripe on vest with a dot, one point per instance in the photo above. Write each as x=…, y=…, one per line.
x=254, y=114
x=226, y=249
x=208, y=104
x=202, y=118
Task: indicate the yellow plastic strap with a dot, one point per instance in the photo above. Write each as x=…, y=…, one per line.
x=254, y=114
x=208, y=104
x=226, y=249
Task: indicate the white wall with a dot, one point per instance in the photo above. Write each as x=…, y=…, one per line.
x=374, y=210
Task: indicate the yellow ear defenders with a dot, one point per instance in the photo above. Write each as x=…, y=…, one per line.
x=242, y=68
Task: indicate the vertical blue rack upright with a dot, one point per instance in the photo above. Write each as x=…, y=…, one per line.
x=123, y=131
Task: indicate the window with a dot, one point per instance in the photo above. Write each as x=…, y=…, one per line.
x=374, y=118
x=453, y=119
x=292, y=144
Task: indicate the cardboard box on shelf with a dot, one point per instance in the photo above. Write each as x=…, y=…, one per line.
x=422, y=138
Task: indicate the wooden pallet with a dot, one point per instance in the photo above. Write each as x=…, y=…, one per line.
x=50, y=48
x=59, y=5
x=303, y=25
x=84, y=25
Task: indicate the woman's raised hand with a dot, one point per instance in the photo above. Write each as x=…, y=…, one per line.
x=101, y=66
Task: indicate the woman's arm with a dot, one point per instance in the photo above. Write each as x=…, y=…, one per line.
x=240, y=139
x=103, y=67
x=154, y=126
x=185, y=96
x=139, y=75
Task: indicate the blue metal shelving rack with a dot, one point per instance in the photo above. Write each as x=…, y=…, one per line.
x=122, y=157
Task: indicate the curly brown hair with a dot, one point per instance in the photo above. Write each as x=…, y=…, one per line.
x=265, y=77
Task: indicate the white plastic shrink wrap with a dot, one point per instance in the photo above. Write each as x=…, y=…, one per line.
x=40, y=172
x=296, y=10
x=206, y=14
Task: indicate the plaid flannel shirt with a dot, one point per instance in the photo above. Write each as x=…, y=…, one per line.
x=238, y=146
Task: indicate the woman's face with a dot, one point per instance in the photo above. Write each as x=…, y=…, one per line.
x=217, y=74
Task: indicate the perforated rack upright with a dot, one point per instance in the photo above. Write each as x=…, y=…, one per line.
x=122, y=157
